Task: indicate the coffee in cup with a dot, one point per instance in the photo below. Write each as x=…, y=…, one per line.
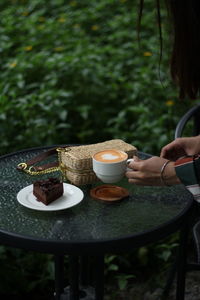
x=110, y=156
x=110, y=165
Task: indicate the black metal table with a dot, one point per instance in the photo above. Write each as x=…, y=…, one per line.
x=91, y=227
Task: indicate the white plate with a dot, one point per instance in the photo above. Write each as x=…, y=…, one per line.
x=72, y=195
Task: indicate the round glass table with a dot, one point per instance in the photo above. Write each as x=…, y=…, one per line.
x=91, y=227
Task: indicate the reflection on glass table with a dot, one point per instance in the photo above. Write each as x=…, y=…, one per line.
x=91, y=227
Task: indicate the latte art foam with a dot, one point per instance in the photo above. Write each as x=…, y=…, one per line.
x=110, y=156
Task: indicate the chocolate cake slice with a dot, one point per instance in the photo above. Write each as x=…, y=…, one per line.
x=48, y=190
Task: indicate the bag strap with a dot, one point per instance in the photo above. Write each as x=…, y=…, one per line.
x=28, y=166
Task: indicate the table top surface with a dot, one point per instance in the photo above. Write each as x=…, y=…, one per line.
x=91, y=223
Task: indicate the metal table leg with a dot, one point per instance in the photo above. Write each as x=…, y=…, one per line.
x=74, y=277
x=59, y=275
x=99, y=277
x=74, y=291
x=85, y=270
x=182, y=263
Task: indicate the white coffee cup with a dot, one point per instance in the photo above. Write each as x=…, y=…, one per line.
x=110, y=165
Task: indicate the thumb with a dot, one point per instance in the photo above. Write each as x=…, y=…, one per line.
x=163, y=152
x=133, y=161
x=136, y=158
x=136, y=162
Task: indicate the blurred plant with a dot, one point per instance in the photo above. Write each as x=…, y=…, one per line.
x=23, y=272
x=123, y=280
x=112, y=266
x=75, y=73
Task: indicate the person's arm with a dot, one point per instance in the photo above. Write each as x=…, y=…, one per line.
x=188, y=170
x=151, y=172
x=185, y=152
x=181, y=147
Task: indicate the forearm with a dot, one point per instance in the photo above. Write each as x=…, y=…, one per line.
x=153, y=171
x=169, y=175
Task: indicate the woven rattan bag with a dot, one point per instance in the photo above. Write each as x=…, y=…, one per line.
x=76, y=162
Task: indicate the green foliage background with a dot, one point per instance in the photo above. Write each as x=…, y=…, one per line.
x=74, y=72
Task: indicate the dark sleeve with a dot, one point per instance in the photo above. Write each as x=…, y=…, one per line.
x=188, y=171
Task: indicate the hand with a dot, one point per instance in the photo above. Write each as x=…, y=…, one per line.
x=148, y=172
x=181, y=147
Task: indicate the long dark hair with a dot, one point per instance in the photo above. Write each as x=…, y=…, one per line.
x=185, y=57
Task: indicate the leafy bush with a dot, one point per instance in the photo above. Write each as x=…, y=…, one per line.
x=26, y=273
x=74, y=73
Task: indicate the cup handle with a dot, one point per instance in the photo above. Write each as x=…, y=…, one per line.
x=128, y=162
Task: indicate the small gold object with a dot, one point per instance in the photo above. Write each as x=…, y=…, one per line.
x=32, y=170
x=22, y=166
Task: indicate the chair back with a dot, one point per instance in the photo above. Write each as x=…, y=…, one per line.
x=194, y=114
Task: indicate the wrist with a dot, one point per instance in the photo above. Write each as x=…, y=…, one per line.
x=169, y=174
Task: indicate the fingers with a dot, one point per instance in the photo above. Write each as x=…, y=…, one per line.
x=140, y=182
x=172, y=152
x=175, y=149
x=132, y=172
x=133, y=164
x=167, y=150
x=135, y=177
x=163, y=152
x=146, y=172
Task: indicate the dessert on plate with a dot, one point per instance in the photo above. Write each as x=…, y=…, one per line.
x=48, y=190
